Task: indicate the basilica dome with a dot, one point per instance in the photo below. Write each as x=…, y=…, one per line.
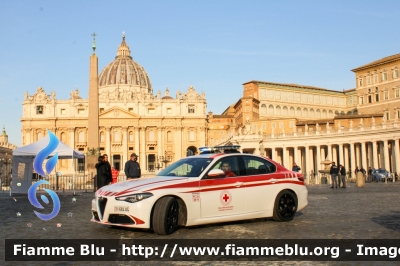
x=123, y=72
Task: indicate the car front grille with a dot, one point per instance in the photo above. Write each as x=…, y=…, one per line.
x=120, y=219
x=102, y=205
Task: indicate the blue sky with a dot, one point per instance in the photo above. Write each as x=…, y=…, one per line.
x=215, y=46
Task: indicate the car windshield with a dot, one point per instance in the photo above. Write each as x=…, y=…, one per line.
x=381, y=171
x=186, y=167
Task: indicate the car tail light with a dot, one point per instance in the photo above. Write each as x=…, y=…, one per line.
x=301, y=178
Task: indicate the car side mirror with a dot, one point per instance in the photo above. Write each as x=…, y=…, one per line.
x=216, y=173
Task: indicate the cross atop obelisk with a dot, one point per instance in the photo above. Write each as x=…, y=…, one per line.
x=94, y=42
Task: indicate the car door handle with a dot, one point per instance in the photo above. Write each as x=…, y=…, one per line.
x=273, y=180
x=238, y=184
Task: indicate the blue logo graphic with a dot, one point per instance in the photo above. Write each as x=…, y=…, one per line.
x=50, y=165
x=32, y=198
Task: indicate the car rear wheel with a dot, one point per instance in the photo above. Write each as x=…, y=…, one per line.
x=285, y=206
x=165, y=216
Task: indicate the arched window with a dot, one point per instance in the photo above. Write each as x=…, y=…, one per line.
x=318, y=114
x=102, y=137
x=81, y=136
x=278, y=110
x=270, y=109
x=395, y=73
x=151, y=135
x=62, y=137
x=330, y=114
x=292, y=111
x=263, y=109
x=169, y=136
x=39, y=135
x=130, y=136
x=305, y=112
x=324, y=113
x=312, y=113
x=336, y=113
x=298, y=112
x=191, y=135
x=285, y=111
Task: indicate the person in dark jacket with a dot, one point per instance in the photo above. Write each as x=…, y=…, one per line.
x=108, y=167
x=132, y=168
x=342, y=172
x=334, y=172
x=295, y=168
x=102, y=173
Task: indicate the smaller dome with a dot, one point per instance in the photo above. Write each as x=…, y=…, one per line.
x=167, y=97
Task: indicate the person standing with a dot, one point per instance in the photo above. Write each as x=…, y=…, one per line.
x=334, y=171
x=115, y=174
x=132, y=168
x=101, y=173
x=108, y=167
x=342, y=172
x=295, y=168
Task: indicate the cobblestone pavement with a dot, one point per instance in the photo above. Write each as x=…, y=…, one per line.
x=371, y=212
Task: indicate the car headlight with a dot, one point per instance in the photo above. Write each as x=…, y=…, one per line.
x=134, y=197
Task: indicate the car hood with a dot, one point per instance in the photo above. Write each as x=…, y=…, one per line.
x=139, y=185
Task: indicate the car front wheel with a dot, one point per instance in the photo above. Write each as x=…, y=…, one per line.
x=165, y=216
x=285, y=206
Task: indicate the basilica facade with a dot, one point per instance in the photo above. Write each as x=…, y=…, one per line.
x=121, y=116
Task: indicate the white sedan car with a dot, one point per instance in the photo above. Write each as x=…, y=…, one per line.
x=203, y=189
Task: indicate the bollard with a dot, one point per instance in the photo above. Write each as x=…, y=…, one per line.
x=360, y=179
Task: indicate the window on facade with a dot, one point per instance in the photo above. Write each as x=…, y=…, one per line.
x=361, y=100
x=305, y=112
x=39, y=109
x=281, y=125
x=81, y=111
x=169, y=136
x=191, y=135
x=330, y=114
x=130, y=110
x=376, y=78
x=81, y=136
x=360, y=82
x=384, y=76
x=312, y=113
x=278, y=110
x=117, y=136
x=62, y=137
x=291, y=124
x=387, y=115
x=151, y=135
x=102, y=137
x=368, y=80
x=376, y=89
x=169, y=110
x=386, y=95
x=377, y=97
x=101, y=110
x=291, y=111
x=397, y=93
x=369, y=98
x=298, y=112
x=285, y=111
x=63, y=112
x=191, y=109
x=270, y=109
x=318, y=113
x=397, y=114
x=151, y=111
x=395, y=73
x=273, y=125
x=369, y=90
x=324, y=114
x=263, y=127
x=263, y=109
x=130, y=136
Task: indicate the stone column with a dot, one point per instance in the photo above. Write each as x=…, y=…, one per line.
x=142, y=150
x=370, y=155
x=295, y=155
x=319, y=166
x=353, y=159
x=364, y=156
x=285, y=153
x=396, y=156
x=108, y=141
x=124, y=147
x=71, y=131
x=274, y=154
x=159, y=141
x=136, y=148
x=374, y=155
x=346, y=158
x=340, y=155
x=307, y=163
x=358, y=156
x=386, y=155
x=329, y=155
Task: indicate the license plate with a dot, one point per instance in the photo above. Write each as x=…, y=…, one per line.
x=121, y=209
